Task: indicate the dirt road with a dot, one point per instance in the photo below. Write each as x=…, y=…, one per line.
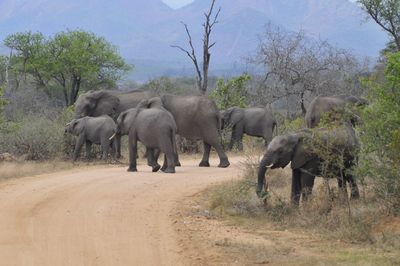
x=99, y=216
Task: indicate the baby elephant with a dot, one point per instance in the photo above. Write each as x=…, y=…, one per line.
x=89, y=130
x=156, y=129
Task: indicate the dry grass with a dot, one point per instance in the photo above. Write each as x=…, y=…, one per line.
x=333, y=219
x=29, y=168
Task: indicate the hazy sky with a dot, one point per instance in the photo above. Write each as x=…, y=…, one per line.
x=180, y=3
x=177, y=3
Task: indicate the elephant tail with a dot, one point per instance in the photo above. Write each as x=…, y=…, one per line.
x=173, y=140
x=219, y=122
x=275, y=128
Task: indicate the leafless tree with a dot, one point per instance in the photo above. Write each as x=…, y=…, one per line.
x=297, y=67
x=386, y=13
x=202, y=74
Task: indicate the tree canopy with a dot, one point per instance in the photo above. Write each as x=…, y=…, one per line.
x=69, y=61
x=386, y=14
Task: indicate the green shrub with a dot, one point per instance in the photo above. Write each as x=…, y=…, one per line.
x=35, y=137
x=288, y=125
x=380, y=136
x=231, y=93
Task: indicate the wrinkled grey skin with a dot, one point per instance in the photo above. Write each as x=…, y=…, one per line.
x=93, y=130
x=155, y=102
x=254, y=121
x=321, y=105
x=112, y=103
x=197, y=117
x=156, y=129
x=305, y=164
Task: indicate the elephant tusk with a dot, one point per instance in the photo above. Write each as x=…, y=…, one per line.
x=112, y=136
x=269, y=166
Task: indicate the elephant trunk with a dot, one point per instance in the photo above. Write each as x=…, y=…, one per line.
x=261, y=193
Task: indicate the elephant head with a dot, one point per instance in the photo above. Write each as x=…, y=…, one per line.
x=96, y=103
x=231, y=116
x=280, y=152
x=74, y=127
x=125, y=120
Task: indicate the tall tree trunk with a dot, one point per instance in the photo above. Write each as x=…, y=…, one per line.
x=303, y=108
x=74, y=90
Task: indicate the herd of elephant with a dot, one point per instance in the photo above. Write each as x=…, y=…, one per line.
x=102, y=117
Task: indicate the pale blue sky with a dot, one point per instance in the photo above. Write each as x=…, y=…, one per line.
x=177, y=3
x=180, y=3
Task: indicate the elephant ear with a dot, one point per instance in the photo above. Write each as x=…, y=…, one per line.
x=77, y=126
x=143, y=104
x=155, y=102
x=105, y=103
x=233, y=115
x=301, y=153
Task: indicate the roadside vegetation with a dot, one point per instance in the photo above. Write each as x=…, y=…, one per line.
x=43, y=76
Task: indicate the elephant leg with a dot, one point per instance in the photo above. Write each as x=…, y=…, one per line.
x=118, y=145
x=238, y=137
x=223, y=159
x=152, y=160
x=78, y=146
x=307, y=184
x=132, y=152
x=354, y=192
x=176, y=158
x=176, y=155
x=88, y=147
x=232, y=141
x=156, y=154
x=169, y=163
x=206, y=154
x=113, y=150
x=211, y=138
x=342, y=186
x=296, y=187
x=105, y=146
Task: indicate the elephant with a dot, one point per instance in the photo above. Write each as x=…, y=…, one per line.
x=196, y=117
x=89, y=130
x=306, y=162
x=106, y=102
x=254, y=121
x=156, y=129
x=155, y=102
x=321, y=105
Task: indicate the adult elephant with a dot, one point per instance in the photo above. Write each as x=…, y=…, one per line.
x=156, y=129
x=106, y=102
x=307, y=162
x=254, y=121
x=196, y=117
x=325, y=104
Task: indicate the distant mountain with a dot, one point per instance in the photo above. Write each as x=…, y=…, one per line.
x=144, y=30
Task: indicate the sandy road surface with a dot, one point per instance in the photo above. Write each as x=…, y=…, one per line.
x=102, y=216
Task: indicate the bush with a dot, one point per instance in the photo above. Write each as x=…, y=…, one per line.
x=380, y=136
x=166, y=85
x=288, y=125
x=320, y=214
x=28, y=101
x=35, y=137
x=231, y=93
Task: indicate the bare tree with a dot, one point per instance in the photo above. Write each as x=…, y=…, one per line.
x=386, y=13
x=297, y=67
x=202, y=74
